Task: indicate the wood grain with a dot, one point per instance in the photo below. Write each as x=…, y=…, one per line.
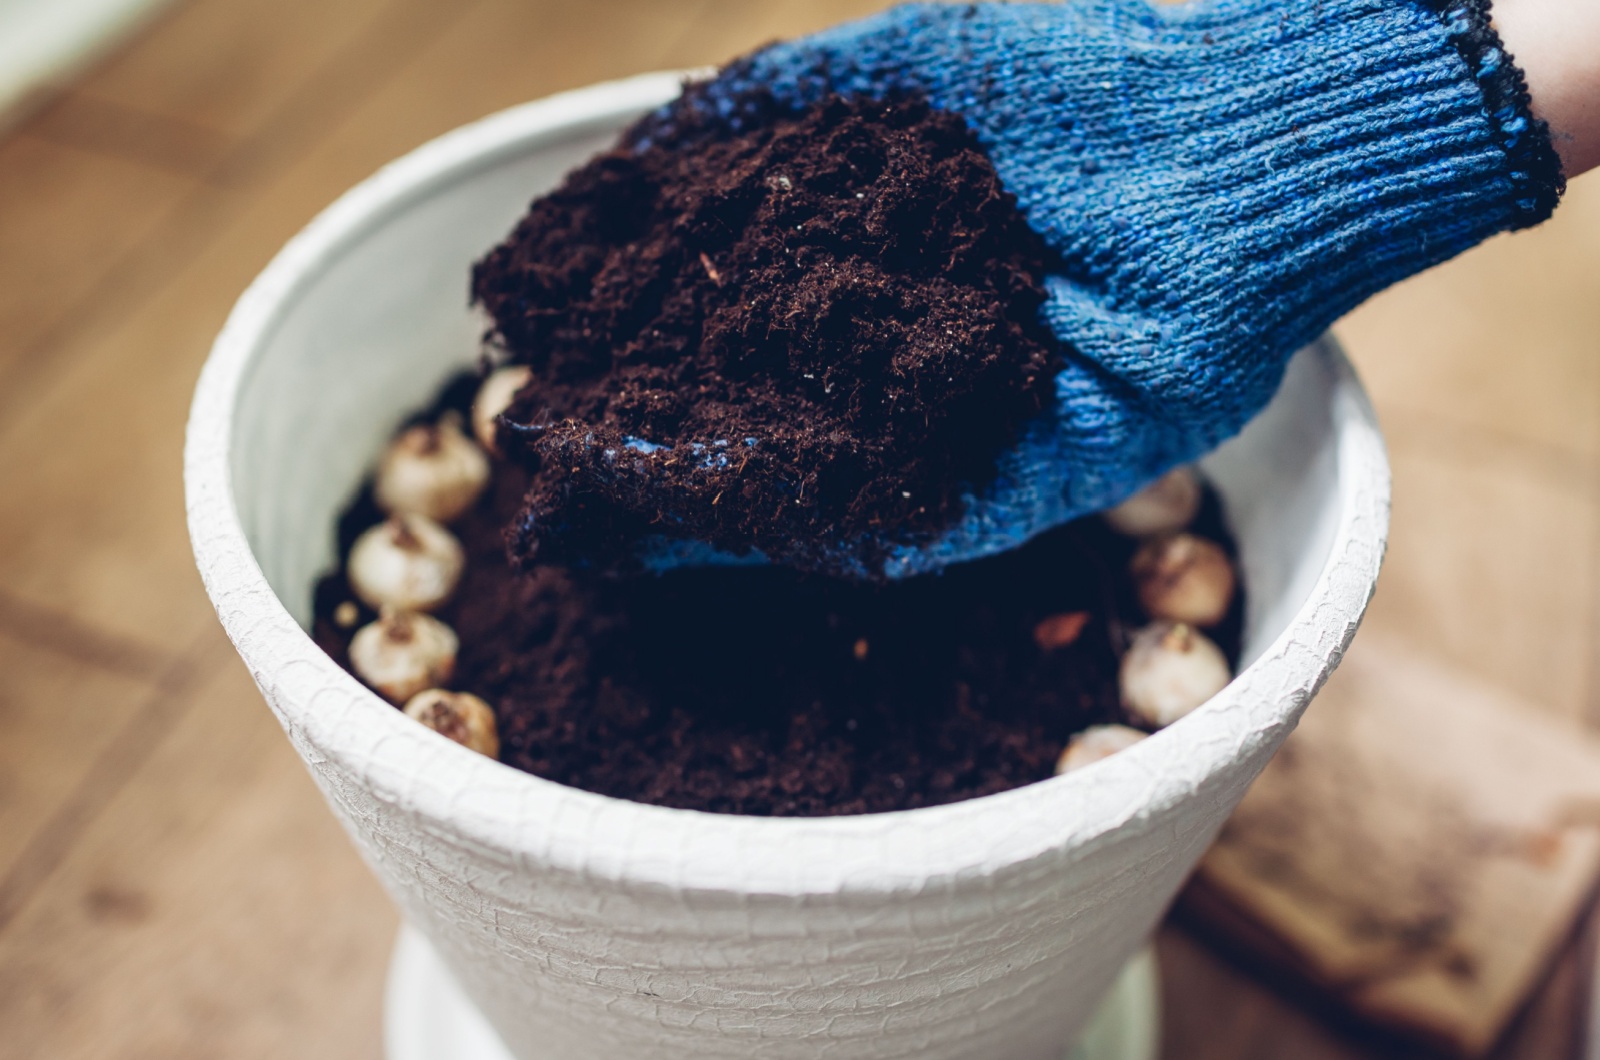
x=187, y=895
x=233, y=67
x=56, y=717
x=1486, y=374
x=1403, y=828
x=65, y=220
x=212, y=909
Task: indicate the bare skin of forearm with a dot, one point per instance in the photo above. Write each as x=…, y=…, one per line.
x=1557, y=45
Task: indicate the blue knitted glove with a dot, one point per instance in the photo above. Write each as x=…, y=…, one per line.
x=1222, y=181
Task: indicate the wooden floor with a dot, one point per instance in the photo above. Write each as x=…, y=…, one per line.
x=170, y=884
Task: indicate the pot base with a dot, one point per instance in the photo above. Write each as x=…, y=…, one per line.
x=428, y=1017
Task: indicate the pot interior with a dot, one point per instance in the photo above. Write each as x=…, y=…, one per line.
x=374, y=326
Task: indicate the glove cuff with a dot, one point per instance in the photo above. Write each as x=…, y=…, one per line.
x=1301, y=157
x=1533, y=165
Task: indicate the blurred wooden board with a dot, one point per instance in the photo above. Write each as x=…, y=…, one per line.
x=1220, y=1003
x=44, y=43
x=1407, y=851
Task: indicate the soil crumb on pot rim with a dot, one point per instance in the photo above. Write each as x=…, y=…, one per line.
x=819, y=330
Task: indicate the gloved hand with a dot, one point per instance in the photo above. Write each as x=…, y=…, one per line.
x=1221, y=181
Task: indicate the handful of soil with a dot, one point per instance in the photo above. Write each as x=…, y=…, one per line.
x=806, y=339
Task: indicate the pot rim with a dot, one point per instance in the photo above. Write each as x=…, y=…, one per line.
x=520, y=820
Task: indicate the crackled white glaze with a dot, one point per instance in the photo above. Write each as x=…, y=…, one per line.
x=592, y=927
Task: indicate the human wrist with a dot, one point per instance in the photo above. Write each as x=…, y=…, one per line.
x=1557, y=45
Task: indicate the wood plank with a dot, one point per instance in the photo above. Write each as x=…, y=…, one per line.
x=1215, y=1009
x=128, y=386
x=1485, y=375
x=65, y=220
x=228, y=66
x=504, y=52
x=728, y=28
x=1552, y=1025
x=500, y=53
x=1491, y=562
x=215, y=909
x=103, y=776
x=95, y=528
x=46, y=45
x=57, y=715
x=297, y=119
x=1212, y=1010
x=121, y=132
x=1503, y=339
x=56, y=631
x=1411, y=817
x=126, y=382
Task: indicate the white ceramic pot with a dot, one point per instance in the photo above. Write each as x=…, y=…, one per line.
x=587, y=926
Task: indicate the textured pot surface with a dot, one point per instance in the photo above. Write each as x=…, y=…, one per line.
x=592, y=927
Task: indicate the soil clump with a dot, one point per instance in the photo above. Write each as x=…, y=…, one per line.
x=805, y=337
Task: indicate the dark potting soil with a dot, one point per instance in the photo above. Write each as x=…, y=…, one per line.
x=761, y=690
x=818, y=330
x=823, y=329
